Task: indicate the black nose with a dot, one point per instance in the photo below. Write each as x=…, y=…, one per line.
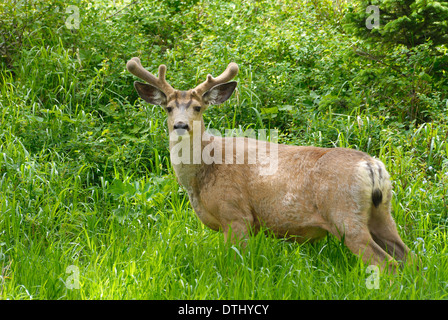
x=181, y=125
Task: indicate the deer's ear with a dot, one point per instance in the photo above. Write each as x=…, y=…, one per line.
x=150, y=93
x=219, y=93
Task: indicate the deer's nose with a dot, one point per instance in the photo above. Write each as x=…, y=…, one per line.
x=181, y=126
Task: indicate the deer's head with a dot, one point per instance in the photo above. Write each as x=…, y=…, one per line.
x=182, y=107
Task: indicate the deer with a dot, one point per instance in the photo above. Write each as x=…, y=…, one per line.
x=312, y=191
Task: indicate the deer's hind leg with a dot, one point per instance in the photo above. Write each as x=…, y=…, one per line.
x=383, y=230
x=351, y=227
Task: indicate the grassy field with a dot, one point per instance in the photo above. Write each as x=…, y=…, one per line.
x=87, y=191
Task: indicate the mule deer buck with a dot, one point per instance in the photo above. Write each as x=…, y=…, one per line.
x=312, y=192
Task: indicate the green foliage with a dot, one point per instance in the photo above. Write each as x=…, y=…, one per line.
x=410, y=65
x=407, y=22
x=136, y=199
x=21, y=21
x=85, y=176
x=411, y=82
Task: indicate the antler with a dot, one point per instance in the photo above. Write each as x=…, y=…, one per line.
x=135, y=67
x=230, y=72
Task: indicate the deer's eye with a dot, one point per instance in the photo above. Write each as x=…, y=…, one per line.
x=197, y=109
x=169, y=109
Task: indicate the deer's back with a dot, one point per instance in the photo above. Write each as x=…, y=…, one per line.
x=291, y=199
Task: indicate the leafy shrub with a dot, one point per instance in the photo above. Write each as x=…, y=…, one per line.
x=407, y=22
x=408, y=69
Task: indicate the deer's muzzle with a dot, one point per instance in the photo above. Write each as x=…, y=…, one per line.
x=181, y=128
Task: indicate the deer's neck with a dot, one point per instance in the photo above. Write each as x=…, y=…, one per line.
x=186, y=153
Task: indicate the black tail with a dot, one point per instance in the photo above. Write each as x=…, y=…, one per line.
x=377, y=197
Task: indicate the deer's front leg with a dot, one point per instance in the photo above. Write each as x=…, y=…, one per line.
x=236, y=224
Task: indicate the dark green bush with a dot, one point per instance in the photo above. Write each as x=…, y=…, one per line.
x=406, y=55
x=407, y=22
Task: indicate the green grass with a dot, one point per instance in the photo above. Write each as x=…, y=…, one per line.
x=86, y=183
